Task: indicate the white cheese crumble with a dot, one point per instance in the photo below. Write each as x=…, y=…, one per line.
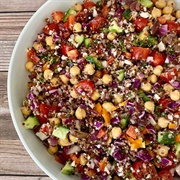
x=161, y=46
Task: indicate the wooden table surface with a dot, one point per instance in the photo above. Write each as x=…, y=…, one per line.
x=15, y=162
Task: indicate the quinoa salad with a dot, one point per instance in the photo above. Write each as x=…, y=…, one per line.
x=104, y=89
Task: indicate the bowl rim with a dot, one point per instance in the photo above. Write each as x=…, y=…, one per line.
x=26, y=146
x=9, y=95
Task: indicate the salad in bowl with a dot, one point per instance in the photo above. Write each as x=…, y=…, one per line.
x=104, y=89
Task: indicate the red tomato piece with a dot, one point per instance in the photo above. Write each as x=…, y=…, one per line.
x=97, y=23
x=65, y=48
x=81, y=17
x=51, y=27
x=142, y=169
x=105, y=11
x=158, y=58
x=31, y=56
x=164, y=102
x=168, y=76
x=43, y=113
x=71, y=21
x=73, y=54
x=57, y=16
x=173, y=26
x=165, y=175
x=140, y=23
x=86, y=86
x=139, y=53
x=88, y=4
x=66, y=31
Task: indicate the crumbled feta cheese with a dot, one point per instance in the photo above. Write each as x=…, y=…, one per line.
x=64, y=57
x=144, y=14
x=156, y=97
x=161, y=46
x=41, y=135
x=95, y=13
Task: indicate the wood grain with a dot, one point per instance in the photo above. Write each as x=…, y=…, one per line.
x=24, y=177
x=20, y=5
x=17, y=161
x=11, y=26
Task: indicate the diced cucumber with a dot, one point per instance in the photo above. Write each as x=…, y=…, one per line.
x=67, y=169
x=79, y=39
x=167, y=138
x=95, y=61
x=146, y=3
x=177, y=147
x=124, y=122
x=68, y=13
x=144, y=34
x=88, y=42
x=126, y=14
x=60, y=132
x=30, y=122
x=121, y=75
x=115, y=28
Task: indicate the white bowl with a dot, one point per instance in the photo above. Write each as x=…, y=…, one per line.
x=17, y=86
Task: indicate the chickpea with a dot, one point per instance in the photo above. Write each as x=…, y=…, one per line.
x=106, y=79
x=52, y=149
x=118, y=98
x=73, y=138
x=168, y=10
x=80, y=113
x=73, y=80
x=64, y=78
x=74, y=71
x=162, y=150
x=156, y=12
x=29, y=66
x=55, y=82
x=63, y=142
x=169, y=17
x=116, y=132
x=149, y=106
x=77, y=7
x=83, y=159
x=168, y=88
x=146, y=87
x=95, y=96
x=163, y=122
x=25, y=111
x=37, y=46
x=178, y=14
x=153, y=78
x=54, y=121
x=175, y=95
x=73, y=94
x=111, y=36
x=160, y=4
x=158, y=70
x=77, y=27
x=48, y=74
x=89, y=69
x=108, y=106
x=49, y=40
x=171, y=3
